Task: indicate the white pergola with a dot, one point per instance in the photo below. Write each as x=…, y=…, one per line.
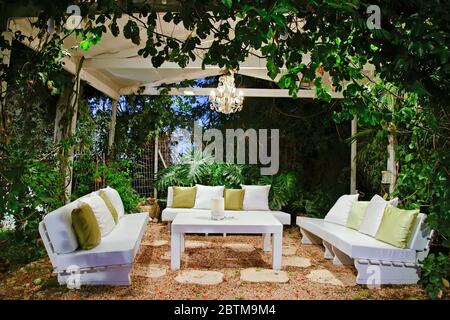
x=114, y=68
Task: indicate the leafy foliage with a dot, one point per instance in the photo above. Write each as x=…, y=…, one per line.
x=435, y=274
x=116, y=175
x=315, y=202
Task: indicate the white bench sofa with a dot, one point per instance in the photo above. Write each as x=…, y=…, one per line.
x=376, y=262
x=109, y=263
x=169, y=213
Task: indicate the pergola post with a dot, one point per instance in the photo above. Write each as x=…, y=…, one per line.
x=73, y=103
x=6, y=59
x=391, y=163
x=353, y=151
x=112, y=126
x=61, y=109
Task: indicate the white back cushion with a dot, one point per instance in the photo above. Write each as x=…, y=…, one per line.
x=104, y=217
x=169, y=197
x=256, y=197
x=374, y=214
x=204, y=195
x=115, y=199
x=58, y=225
x=339, y=212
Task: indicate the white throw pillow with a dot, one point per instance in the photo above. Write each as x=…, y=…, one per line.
x=104, y=217
x=169, y=197
x=115, y=199
x=374, y=214
x=204, y=195
x=339, y=212
x=256, y=198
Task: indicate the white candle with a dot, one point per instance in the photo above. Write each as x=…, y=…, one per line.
x=217, y=208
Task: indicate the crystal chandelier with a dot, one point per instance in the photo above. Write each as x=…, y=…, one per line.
x=225, y=99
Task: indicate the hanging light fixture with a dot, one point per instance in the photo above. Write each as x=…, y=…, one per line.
x=225, y=98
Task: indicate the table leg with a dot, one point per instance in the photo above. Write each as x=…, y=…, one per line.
x=182, y=246
x=277, y=250
x=266, y=242
x=175, y=251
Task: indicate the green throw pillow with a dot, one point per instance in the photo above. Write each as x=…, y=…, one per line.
x=184, y=197
x=234, y=199
x=86, y=227
x=110, y=206
x=396, y=226
x=356, y=215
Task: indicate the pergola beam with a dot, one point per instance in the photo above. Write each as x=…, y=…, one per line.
x=70, y=66
x=247, y=92
x=354, y=131
x=108, y=89
x=144, y=63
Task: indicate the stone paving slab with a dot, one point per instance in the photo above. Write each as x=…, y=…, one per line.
x=325, y=277
x=155, y=243
x=150, y=271
x=264, y=275
x=289, y=250
x=294, y=261
x=193, y=244
x=200, y=277
x=241, y=247
x=166, y=256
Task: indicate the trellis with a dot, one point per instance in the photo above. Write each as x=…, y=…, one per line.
x=155, y=154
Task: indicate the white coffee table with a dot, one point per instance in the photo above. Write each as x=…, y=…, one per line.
x=242, y=223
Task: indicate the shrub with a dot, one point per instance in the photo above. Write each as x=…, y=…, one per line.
x=435, y=273
x=201, y=170
x=117, y=175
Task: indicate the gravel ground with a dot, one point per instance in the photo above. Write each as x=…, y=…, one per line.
x=35, y=280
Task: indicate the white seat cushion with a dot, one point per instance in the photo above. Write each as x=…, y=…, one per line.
x=283, y=217
x=118, y=247
x=168, y=214
x=355, y=244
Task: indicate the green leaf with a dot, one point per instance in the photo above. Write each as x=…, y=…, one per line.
x=228, y=3
x=272, y=68
x=409, y=157
x=85, y=45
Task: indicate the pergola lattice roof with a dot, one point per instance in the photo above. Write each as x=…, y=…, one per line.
x=114, y=67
